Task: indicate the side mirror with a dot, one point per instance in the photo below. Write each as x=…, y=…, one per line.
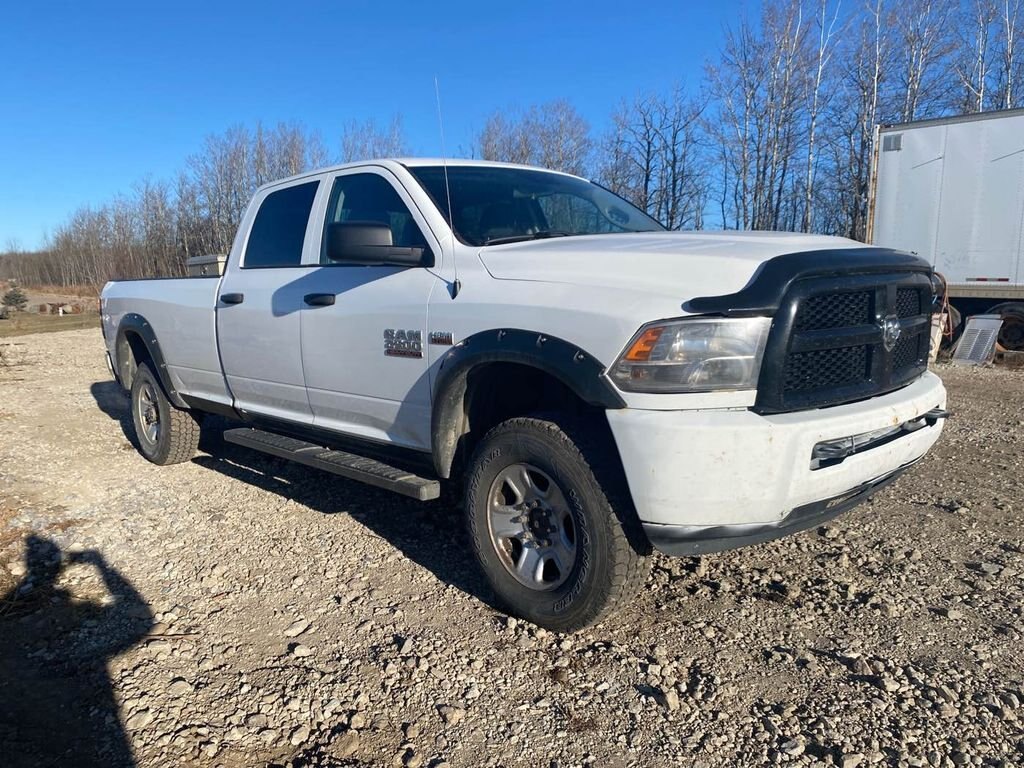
x=368, y=243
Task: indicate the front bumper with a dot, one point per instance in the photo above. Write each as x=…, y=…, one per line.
x=709, y=480
x=689, y=540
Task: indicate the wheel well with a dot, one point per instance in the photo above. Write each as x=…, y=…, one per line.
x=498, y=391
x=131, y=353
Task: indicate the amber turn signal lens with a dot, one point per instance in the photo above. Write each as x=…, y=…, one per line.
x=641, y=350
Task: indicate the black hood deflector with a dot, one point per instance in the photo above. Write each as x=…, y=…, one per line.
x=764, y=293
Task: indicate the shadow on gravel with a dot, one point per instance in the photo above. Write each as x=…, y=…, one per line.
x=431, y=534
x=57, y=705
x=113, y=401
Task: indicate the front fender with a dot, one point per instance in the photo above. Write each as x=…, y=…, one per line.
x=574, y=367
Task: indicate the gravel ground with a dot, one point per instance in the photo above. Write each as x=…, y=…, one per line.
x=239, y=611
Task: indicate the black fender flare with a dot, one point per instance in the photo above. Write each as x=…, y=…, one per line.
x=577, y=369
x=136, y=324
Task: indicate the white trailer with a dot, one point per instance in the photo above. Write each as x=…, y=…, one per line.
x=952, y=191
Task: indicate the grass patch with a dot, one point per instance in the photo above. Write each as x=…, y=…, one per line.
x=23, y=323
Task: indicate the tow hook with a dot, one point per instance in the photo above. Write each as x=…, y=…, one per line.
x=935, y=415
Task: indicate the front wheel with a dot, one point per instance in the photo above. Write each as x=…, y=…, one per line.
x=166, y=435
x=560, y=548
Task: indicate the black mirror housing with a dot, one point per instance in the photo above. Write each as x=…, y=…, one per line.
x=368, y=243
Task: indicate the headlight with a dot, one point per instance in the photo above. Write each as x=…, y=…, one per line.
x=698, y=355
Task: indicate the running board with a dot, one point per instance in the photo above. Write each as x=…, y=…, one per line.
x=350, y=465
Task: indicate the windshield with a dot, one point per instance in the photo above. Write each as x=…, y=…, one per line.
x=493, y=205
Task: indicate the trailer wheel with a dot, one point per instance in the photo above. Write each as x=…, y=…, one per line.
x=561, y=547
x=166, y=435
x=1011, y=334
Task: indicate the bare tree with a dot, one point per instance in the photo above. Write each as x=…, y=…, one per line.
x=552, y=135
x=563, y=137
x=153, y=230
x=735, y=84
x=157, y=231
x=631, y=151
x=504, y=140
x=760, y=88
x=972, y=61
x=1010, y=57
x=222, y=180
x=827, y=28
x=924, y=28
x=654, y=158
x=853, y=115
x=988, y=60
x=369, y=141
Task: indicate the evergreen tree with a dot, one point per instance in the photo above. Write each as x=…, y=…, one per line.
x=15, y=298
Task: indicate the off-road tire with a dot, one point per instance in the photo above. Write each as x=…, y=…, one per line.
x=612, y=560
x=178, y=435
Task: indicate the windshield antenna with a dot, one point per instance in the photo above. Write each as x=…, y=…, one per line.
x=456, y=284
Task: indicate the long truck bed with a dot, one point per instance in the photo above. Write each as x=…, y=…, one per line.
x=184, y=311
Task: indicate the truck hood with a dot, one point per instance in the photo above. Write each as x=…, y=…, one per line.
x=681, y=264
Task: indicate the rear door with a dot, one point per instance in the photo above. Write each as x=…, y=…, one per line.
x=364, y=356
x=260, y=303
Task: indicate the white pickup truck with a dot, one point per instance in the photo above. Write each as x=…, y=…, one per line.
x=601, y=386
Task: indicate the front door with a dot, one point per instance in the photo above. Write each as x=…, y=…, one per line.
x=260, y=307
x=364, y=356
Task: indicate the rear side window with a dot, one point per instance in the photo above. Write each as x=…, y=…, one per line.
x=280, y=227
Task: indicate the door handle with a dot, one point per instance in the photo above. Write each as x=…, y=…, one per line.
x=232, y=298
x=319, y=299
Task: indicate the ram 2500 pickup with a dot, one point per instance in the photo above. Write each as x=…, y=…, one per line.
x=600, y=386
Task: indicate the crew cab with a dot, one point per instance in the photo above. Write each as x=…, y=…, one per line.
x=599, y=386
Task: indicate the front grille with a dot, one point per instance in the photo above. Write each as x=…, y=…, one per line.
x=907, y=351
x=834, y=310
x=908, y=302
x=826, y=368
x=841, y=339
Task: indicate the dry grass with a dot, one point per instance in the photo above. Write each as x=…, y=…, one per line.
x=26, y=322
x=82, y=291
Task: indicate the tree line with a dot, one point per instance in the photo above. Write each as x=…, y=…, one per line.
x=777, y=134
x=153, y=229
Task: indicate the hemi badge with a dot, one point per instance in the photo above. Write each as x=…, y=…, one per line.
x=441, y=337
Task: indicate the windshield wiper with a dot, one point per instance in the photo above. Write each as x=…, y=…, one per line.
x=542, y=235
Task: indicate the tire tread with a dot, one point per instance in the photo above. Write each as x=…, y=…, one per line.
x=182, y=428
x=184, y=436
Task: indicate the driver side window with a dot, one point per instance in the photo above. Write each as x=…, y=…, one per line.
x=370, y=198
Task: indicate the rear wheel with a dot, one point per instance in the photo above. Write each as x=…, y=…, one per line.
x=166, y=435
x=560, y=548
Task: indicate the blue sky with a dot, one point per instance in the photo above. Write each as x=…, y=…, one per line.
x=96, y=96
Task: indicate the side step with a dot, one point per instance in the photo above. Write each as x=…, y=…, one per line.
x=369, y=471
